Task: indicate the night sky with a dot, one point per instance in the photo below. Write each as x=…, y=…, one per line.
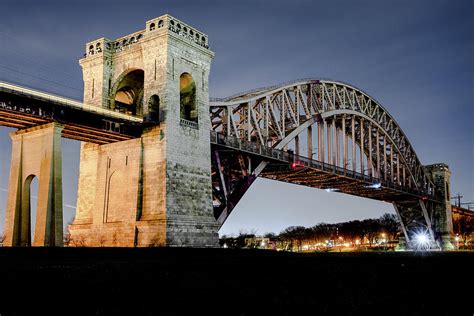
x=415, y=57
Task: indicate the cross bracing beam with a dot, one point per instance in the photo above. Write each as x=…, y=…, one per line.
x=280, y=165
x=288, y=107
x=323, y=134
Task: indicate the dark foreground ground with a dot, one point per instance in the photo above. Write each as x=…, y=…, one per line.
x=80, y=281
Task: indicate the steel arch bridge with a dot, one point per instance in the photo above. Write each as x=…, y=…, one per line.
x=324, y=134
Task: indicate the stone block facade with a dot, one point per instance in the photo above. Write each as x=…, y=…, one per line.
x=440, y=175
x=154, y=190
x=36, y=152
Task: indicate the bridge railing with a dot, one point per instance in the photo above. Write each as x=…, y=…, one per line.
x=304, y=162
x=35, y=94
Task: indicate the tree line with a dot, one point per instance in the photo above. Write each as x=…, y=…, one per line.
x=368, y=231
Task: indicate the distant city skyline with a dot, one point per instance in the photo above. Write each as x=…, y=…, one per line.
x=414, y=57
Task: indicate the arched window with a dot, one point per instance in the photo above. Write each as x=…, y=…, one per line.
x=152, y=26
x=187, y=98
x=160, y=24
x=154, y=109
x=446, y=184
x=129, y=93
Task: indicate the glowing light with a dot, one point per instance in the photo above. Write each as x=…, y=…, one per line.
x=374, y=186
x=422, y=240
x=456, y=238
x=357, y=242
x=331, y=190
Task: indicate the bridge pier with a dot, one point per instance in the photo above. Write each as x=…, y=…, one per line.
x=132, y=195
x=154, y=190
x=442, y=215
x=36, y=152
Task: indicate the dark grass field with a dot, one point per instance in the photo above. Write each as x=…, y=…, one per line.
x=106, y=281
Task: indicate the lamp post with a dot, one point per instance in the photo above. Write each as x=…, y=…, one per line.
x=384, y=241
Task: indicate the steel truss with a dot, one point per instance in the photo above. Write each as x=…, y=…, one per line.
x=321, y=120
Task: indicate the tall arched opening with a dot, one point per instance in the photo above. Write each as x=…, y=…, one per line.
x=29, y=207
x=187, y=98
x=154, y=109
x=128, y=97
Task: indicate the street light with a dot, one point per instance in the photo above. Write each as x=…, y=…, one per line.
x=422, y=240
x=457, y=241
x=384, y=241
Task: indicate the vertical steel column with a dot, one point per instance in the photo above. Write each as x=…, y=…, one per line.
x=398, y=169
x=353, y=145
x=283, y=114
x=344, y=142
x=310, y=141
x=391, y=163
x=328, y=131
x=267, y=119
x=338, y=149
x=378, y=152
x=384, y=157
x=361, y=123
x=334, y=142
x=369, y=161
x=229, y=111
x=402, y=224
x=297, y=145
x=249, y=123
x=321, y=141
x=404, y=176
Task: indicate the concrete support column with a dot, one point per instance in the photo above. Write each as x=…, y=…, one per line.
x=36, y=152
x=442, y=216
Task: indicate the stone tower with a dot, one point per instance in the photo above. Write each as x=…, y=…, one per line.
x=442, y=216
x=154, y=190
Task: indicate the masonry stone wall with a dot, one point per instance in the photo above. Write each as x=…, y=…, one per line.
x=155, y=190
x=442, y=216
x=36, y=152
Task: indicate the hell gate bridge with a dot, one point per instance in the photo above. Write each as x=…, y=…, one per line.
x=162, y=164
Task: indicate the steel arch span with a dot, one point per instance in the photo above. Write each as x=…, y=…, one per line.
x=328, y=135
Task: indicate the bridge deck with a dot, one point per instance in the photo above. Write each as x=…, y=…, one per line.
x=294, y=169
x=22, y=107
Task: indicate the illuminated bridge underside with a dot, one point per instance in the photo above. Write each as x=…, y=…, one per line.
x=329, y=181
x=289, y=168
x=335, y=136
x=23, y=108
